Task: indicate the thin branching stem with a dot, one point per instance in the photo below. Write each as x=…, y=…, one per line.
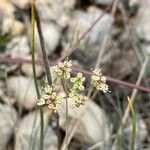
x=67, y=121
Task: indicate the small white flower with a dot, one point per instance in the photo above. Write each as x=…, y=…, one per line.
x=41, y=102
x=98, y=81
x=63, y=69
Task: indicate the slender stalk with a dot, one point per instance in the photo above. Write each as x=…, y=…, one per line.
x=42, y=42
x=67, y=121
x=46, y=65
x=34, y=73
x=133, y=124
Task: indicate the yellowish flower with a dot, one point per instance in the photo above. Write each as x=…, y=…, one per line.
x=78, y=81
x=41, y=102
x=48, y=89
x=63, y=69
x=98, y=81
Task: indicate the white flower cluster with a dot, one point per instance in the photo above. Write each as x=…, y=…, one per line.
x=51, y=98
x=78, y=81
x=75, y=96
x=98, y=81
x=75, y=92
x=63, y=69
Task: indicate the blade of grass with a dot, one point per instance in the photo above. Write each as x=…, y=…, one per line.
x=133, y=115
x=34, y=72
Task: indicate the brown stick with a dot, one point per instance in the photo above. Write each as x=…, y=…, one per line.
x=8, y=60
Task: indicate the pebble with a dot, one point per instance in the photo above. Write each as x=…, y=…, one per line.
x=8, y=119
x=103, y=2
x=142, y=26
x=23, y=89
x=15, y=27
x=22, y=4
x=6, y=9
x=18, y=47
x=29, y=125
x=83, y=20
x=93, y=125
x=27, y=68
x=51, y=35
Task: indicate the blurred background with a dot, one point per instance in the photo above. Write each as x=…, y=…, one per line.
x=117, y=40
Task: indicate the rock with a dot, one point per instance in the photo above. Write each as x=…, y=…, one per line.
x=6, y=9
x=123, y=57
x=103, y=2
x=93, y=125
x=141, y=133
x=27, y=69
x=142, y=25
x=8, y=117
x=5, y=98
x=143, y=22
x=51, y=35
x=54, y=10
x=23, y=89
x=83, y=20
x=14, y=26
x=23, y=4
x=27, y=126
x=18, y=47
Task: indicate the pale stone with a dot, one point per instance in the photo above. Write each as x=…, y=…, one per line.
x=142, y=25
x=23, y=4
x=27, y=69
x=14, y=26
x=8, y=120
x=18, y=47
x=82, y=21
x=6, y=8
x=31, y=124
x=93, y=123
x=51, y=35
x=103, y=2
x=23, y=89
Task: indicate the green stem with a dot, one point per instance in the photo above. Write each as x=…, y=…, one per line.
x=34, y=73
x=43, y=49
x=67, y=120
x=46, y=65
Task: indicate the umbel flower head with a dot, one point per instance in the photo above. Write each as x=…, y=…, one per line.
x=78, y=81
x=63, y=69
x=51, y=98
x=76, y=99
x=98, y=81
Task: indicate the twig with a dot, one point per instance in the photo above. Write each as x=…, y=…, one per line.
x=8, y=60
